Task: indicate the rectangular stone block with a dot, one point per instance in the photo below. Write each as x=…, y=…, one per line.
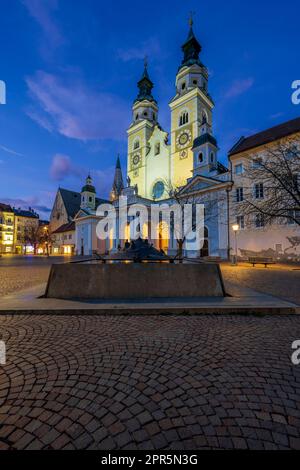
x=134, y=281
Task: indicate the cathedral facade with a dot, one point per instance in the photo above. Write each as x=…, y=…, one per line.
x=159, y=164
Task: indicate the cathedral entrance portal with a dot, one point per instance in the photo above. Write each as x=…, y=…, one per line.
x=205, y=248
x=163, y=237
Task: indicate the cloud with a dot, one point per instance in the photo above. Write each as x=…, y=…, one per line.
x=40, y=119
x=149, y=48
x=239, y=87
x=32, y=201
x=42, y=11
x=62, y=167
x=103, y=180
x=10, y=151
x=71, y=108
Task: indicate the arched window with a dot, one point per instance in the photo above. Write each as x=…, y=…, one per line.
x=212, y=156
x=136, y=117
x=183, y=86
x=200, y=157
x=158, y=190
x=157, y=148
x=136, y=144
x=183, y=118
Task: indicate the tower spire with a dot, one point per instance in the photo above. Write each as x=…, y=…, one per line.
x=191, y=19
x=118, y=184
x=191, y=48
x=145, y=85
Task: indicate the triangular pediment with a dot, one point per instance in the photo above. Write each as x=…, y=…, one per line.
x=158, y=134
x=81, y=213
x=199, y=183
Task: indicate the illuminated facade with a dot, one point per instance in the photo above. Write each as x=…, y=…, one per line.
x=158, y=163
x=19, y=230
x=63, y=240
x=6, y=229
x=26, y=231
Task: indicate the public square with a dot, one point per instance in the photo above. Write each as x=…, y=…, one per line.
x=150, y=382
x=149, y=229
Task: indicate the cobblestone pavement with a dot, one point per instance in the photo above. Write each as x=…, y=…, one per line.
x=161, y=382
x=279, y=280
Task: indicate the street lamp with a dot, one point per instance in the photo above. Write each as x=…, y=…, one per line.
x=235, y=228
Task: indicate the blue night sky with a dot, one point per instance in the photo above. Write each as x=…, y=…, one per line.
x=71, y=68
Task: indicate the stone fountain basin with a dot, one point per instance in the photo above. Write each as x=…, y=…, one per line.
x=134, y=281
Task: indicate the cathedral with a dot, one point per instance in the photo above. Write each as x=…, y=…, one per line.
x=184, y=162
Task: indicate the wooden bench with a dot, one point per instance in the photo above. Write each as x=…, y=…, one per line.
x=260, y=260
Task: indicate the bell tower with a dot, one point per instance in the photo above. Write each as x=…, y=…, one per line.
x=144, y=119
x=88, y=195
x=190, y=107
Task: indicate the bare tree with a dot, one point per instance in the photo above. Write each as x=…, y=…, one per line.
x=31, y=237
x=45, y=238
x=210, y=201
x=271, y=185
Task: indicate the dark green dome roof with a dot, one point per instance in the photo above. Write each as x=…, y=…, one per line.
x=145, y=86
x=191, y=50
x=204, y=139
x=88, y=188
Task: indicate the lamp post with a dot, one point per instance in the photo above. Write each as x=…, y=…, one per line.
x=235, y=228
x=46, y=233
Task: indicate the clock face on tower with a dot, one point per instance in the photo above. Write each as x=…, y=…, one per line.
x=136, y=159
x=183, y=139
